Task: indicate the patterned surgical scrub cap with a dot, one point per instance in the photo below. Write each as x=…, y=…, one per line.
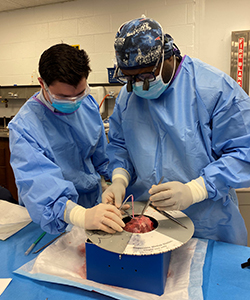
x=138, y=44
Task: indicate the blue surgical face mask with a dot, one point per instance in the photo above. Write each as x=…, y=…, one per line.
x=156, y=87
x=66, y=106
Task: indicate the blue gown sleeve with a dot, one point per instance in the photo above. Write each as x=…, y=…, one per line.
x=41, y=186
x=117, y=149
x=230, y=123
x=100, y=158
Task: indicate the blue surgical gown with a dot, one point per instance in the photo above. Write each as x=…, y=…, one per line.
x=56, y=157
x=200, y=126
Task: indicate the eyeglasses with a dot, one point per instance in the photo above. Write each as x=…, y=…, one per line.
x=145, y=77
x=84, y=94
x=150, y=76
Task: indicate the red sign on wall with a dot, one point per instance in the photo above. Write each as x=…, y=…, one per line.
x=240, y=62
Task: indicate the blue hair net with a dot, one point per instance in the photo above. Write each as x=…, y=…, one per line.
x=139, y=43
x=170, y=48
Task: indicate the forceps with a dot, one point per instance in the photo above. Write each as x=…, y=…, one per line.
x=148, y=202
x=164, y=213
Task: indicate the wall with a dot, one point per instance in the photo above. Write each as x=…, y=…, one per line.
x=26, y=33
x=216, y=20
x=200, y=28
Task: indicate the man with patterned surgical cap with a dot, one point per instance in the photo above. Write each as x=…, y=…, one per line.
x=179, y=118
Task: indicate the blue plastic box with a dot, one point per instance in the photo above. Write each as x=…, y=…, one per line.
x=146, y=273
x=111, y=72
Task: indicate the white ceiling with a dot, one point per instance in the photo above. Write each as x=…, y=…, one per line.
x=7, y=5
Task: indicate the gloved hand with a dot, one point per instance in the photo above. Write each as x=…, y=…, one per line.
x=115, y=193
x=172, y=195
x=102, y=216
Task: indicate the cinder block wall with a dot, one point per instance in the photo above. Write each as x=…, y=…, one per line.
x=201, y=28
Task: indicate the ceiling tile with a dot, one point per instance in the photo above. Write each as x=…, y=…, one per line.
x=8, y=5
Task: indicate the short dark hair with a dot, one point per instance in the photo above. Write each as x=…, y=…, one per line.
x=64, y=63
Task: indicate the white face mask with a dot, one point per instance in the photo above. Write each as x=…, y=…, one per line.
x=156, y=87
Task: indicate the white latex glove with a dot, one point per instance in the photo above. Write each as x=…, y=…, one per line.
x=115, y=193
x=172, y=195
x=102, y=217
